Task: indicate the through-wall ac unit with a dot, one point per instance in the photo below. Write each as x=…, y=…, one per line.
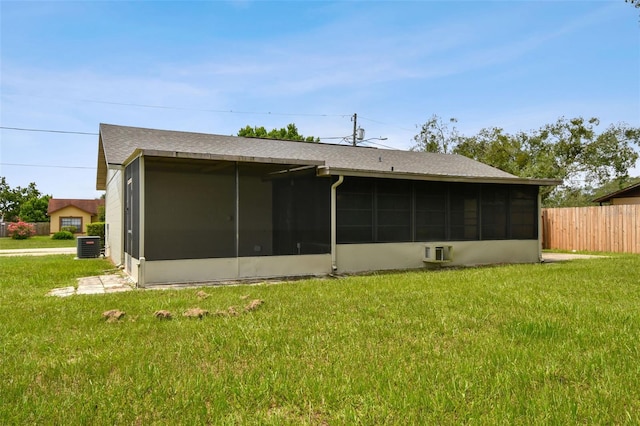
x=438, y=253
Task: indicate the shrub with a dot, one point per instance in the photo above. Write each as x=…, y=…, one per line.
x=62, y=235
x=71, y=229
x=21, y=230
x=96, y=229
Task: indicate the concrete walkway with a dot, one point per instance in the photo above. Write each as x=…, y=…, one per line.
x=102, y=284
x=563, y=257
x=38, y=251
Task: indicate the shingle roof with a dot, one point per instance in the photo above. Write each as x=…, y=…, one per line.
x=89, y=206
x=118, y=143
x=630, y=191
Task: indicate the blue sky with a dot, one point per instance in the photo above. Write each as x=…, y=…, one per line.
x=511, y=64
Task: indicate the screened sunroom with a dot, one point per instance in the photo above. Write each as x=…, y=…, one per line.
x=185, y=207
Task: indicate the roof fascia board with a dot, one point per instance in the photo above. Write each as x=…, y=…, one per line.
x=135, y=154
x=221, y=157
x=326, y=171
x=71, y=205
x=101, y=175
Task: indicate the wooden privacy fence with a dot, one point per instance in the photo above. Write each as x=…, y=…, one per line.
x=603, y=228
x=42, y=228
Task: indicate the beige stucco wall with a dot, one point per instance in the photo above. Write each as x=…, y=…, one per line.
x=371, y=257
x=629, y=200
x=204, y=270
x=69, y=211
x=114, y=215
x=351, y=258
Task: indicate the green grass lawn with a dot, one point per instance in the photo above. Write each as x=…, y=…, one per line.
x=38, y=241
x=522, y=344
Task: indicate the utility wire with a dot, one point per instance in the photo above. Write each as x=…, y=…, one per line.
x=47, y=131
x=46, y=165
x=229, y=111
x=379, y=144
x=386, y=124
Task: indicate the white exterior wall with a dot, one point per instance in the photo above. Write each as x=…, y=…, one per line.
x=114, y=215
x=353, y=258
x=207, y=270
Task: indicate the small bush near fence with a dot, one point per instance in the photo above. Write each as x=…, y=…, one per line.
x=62, y=235
x=21, y=230
x=96, y=229
x=42, y=228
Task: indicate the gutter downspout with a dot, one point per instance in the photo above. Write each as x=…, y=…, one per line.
x=540, y=228
x=334, y=263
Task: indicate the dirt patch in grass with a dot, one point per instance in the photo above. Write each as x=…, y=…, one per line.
x=195, y=313
x=162, y=314
x=113, y=315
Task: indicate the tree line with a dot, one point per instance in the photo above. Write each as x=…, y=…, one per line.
x=589, y=162
x=26, y=204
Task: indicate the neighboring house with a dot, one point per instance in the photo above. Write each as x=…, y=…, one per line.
x=628, y=195
x=192, y=207
x=72, y=212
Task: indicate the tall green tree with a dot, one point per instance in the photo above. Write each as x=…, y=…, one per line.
x=289, y=133
x=9, y=201
x=27, y=204
x=436, y=136
x=571, y=150
x=35, y=209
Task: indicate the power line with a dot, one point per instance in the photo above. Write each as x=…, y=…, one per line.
x=379, y=144
x=227, y=111
x=48, y=131
x=386, y=124
x=46, y=165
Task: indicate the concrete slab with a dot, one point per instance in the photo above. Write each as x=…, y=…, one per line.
x=102, y=284
x=38, y=252
x=90, y=290
x=563, y=257
x=62, y=292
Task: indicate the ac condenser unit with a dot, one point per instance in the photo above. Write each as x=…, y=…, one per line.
x=88, y=247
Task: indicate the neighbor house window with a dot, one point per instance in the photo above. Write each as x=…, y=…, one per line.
x=71, y=221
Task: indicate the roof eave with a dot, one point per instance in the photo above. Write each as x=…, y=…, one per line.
x=221, y=157
x=616, y=194
x=327, y=171
x=101, y=174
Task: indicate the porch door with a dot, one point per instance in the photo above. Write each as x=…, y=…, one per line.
x=129, y=221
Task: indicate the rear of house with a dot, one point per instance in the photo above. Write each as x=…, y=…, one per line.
x=190, y=207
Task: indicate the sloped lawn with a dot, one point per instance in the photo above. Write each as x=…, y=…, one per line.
x=523, y=344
